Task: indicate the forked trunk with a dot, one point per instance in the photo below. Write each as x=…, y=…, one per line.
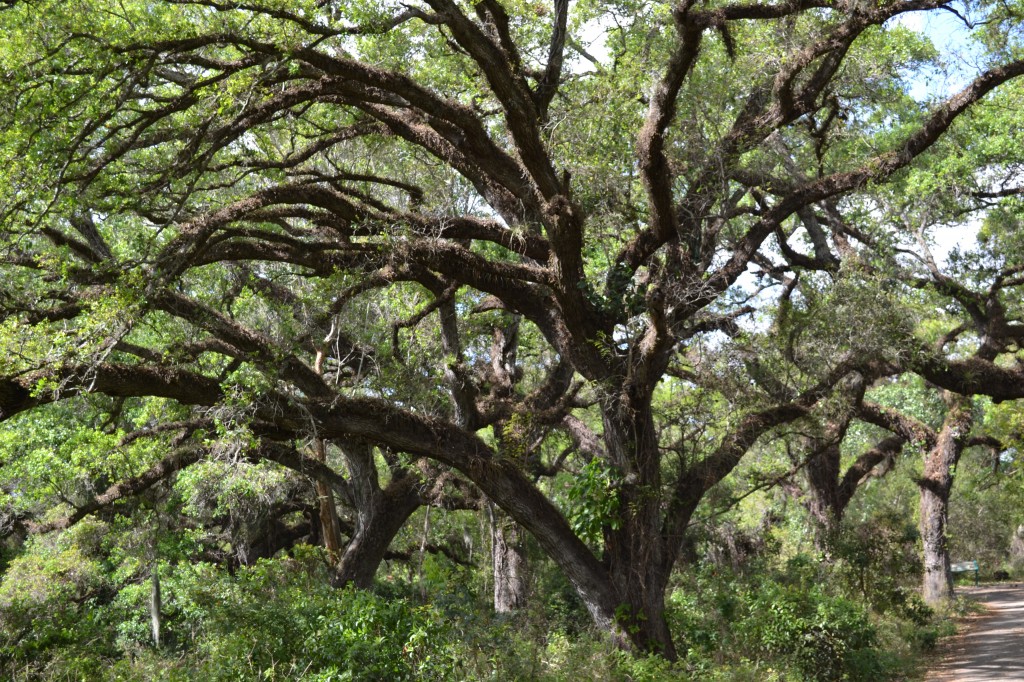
x=380, y=514
x=376, y=528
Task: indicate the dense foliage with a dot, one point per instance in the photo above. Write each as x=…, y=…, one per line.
x=358, y=340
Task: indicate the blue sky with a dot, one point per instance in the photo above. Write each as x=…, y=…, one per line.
x=960, y=55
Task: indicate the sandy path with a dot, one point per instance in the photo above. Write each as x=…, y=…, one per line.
x=992, y=648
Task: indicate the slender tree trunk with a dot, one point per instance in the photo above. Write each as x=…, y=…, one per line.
x=508, y=548
x=935, y=486
x=508, y=539
x=155, y=604
x=424, y=538
x=329, y=524
x=1017, y=548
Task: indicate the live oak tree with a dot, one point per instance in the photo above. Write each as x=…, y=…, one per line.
x=442, y=237
x=832, y=483
x=977, y=292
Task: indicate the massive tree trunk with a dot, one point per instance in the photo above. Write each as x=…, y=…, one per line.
x=380, y=514
x=823, y=503
x=938, y=580
x=935, y=485
x=508, y=553
x=634, y=548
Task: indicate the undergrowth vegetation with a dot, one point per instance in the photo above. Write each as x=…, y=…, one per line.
x=68, y=612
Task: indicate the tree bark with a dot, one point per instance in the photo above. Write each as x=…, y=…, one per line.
x=155, y=603
x=935, y=485
x=937, y=583
x=329, y=525
x=1017, y=549
x=380, y=514
x=635, y=549
x=823, y=503
x=501, y=479
x=830, y=493
x=508, y=552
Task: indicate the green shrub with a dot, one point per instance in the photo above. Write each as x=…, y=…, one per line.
x=822, y=635
x=280, y=619
x=770, y=620
x=49, y=621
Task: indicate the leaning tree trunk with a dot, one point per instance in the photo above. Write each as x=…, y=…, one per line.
x=380, y=514
x=508, y=552
x=935, y=485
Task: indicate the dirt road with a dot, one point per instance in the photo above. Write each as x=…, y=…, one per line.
x=992, y=647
